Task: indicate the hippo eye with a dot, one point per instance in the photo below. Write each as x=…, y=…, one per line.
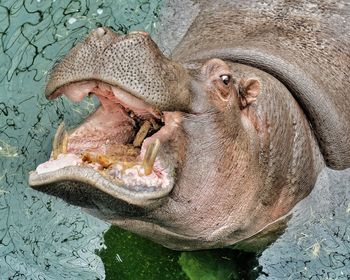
x=225, y=79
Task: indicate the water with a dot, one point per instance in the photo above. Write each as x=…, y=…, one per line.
x=42, y=237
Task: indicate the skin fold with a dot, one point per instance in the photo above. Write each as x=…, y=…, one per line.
x=255, y=102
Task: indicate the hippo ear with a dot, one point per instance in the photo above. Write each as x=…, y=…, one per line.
x=249, y=89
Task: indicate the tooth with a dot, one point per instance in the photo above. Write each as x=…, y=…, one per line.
x=150, y=156
x=88, y=157
x=141, y=134
x=60, y=141
x=64, y=145
x=104, y=161
x=154, y=124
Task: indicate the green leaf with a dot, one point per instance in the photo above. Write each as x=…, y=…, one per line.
x=220, y=264
x=129, y=257
x=207, y=265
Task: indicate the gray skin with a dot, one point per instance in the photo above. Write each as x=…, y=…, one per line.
x=245, y=153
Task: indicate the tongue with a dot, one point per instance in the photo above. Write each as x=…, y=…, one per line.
x=109, y=125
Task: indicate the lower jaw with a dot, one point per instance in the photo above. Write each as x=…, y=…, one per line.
x=83, y=186
x=75, y=184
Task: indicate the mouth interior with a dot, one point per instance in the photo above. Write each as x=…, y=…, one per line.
x=119, y=140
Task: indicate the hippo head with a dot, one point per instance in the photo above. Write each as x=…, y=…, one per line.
x=171, y=151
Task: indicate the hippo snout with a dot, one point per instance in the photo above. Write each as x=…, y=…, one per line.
x=131, y=62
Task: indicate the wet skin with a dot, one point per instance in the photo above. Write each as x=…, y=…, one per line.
x=199, y=151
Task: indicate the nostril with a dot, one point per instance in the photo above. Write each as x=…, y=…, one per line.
x=101, y=32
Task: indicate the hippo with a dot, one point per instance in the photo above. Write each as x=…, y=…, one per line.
x=213, y=145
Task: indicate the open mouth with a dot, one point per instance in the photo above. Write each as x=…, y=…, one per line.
x=117, y=149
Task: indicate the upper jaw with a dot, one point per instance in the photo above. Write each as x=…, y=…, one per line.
x=133, y=62
x=66, y=167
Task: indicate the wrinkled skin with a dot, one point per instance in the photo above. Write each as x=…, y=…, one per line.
x=244, y=144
